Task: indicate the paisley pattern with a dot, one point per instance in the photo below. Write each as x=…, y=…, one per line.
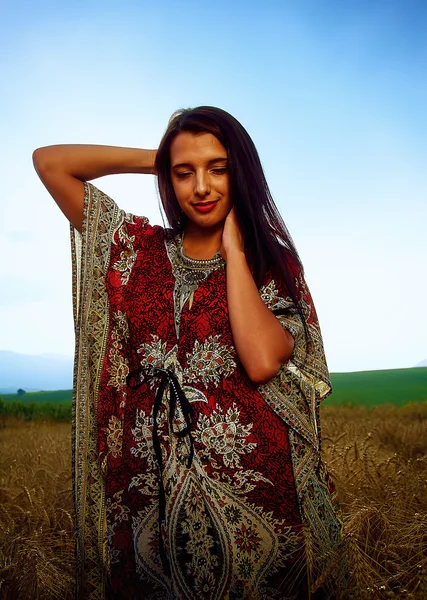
x=128, y=255
x=252, y=514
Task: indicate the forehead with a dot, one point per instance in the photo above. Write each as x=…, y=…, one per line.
x=190, y=147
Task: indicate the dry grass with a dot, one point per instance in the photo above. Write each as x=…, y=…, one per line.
x=378, y=459
x=36, y=523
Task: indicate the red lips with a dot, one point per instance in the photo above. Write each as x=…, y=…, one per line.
x=205, y=207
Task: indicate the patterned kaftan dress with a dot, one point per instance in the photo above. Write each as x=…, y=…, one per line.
x=191, y=482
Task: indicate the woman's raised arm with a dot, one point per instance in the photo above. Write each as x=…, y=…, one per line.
x=63, y=170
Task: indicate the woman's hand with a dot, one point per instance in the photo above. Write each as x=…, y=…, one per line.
x=232, y=238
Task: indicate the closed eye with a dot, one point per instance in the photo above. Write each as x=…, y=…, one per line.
x=183, y=175
x=219, y=170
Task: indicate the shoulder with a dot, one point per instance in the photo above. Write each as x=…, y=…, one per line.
x=136, y=226
x=125, y=225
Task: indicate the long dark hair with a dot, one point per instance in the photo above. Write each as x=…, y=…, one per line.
x=268, y=244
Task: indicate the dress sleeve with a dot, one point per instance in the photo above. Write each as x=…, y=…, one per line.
x=105, y=229
x=308, y=357
x=104, y=225
x=302, y=382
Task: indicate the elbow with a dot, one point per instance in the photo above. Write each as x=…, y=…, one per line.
x=39, y=159
x=264, y=363
x=260, y=374
x=43, y=159
x=261, y=371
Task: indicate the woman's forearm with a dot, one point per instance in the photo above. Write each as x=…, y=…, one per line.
x=86, y=162
x=64, y=168
x=261, y=342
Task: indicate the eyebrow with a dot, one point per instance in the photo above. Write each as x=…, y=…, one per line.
x=210, y=163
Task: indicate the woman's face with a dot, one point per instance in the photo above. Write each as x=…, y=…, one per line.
x=200, y=178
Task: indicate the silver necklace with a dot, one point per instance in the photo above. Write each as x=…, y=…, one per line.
x=195, y=270
x=189, y=273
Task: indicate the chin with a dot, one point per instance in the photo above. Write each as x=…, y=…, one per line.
x=205, y=224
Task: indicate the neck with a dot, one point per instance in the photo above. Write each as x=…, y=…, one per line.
x=201, y=243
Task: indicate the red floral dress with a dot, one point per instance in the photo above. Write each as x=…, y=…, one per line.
x=192, y=482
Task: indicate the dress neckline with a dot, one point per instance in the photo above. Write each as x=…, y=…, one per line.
x=197, y=263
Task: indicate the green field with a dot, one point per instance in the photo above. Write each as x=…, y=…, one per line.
x=54, y=396
x=370, y=388
x=36, y=406
x=367, y=388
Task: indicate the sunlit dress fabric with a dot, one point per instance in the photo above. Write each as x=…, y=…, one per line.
x=190, y=481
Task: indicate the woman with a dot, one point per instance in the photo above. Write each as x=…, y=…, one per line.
x=198, y=374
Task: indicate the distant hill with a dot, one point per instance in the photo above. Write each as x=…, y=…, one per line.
x=34, y=372
x=394, y=386
x=423, y=363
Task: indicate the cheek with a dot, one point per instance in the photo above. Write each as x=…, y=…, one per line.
x=175, y=187
x=227, y=192
x=179, y=191
x=227, y=188
x=183, y=186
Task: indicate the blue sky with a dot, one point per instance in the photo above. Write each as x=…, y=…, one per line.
x=333, y=94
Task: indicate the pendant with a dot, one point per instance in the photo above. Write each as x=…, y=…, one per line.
x=190, y=300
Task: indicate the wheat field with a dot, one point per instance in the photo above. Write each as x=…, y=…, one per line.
x=377, y=457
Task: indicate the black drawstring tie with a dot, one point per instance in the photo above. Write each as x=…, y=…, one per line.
x=135, y=380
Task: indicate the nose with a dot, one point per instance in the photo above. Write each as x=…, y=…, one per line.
x=201, y=184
